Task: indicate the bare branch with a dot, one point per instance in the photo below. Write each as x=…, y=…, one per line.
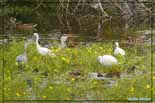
x=38, y=6
x=77, y=6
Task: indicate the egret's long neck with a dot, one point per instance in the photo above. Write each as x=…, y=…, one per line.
x=37, y=42
x=117, y=46
x=25, y=52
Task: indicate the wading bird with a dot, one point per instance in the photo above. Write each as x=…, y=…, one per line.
x=107, y=60
x=23, y=57
x=63, y=40
x=118, y=50
x=42, y=50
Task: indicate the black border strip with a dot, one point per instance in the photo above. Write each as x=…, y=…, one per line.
x=151, y=24
x=81, y=2
x=3, y=99
x=76, y=101
x=152, y=48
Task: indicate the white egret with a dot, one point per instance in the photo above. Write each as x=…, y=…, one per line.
x=118, y=50
x=42, y=50
x=63, y=40
x=107, y=60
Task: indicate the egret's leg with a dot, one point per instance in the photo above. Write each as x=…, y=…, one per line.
x=29, y=82
x=42, y=59
x=44, y=65
x=20, y=67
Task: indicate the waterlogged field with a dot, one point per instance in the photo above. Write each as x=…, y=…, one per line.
x=53, y=78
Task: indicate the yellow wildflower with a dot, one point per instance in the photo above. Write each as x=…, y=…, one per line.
x=67, y=61
x=68, y=89
x=101, y=48
x=73, y=79
x=55, y=50
x=75, y=52
x=8, y=78
x=81, y=62
x=89, y=51
x=68, y=49
x=44, y=97
x=63, y=58
x=35, y=58
x=94, y=82
x=16, y=63
x=50, y=87
x=35, y=78
x=132, y=89
x=153, y=77
x=22, y=62
x=95, y=52
x=147, y=86
x=26, y=66
x=55, y=70
x=17, y=94
x=116, y=84
x=67, y=98
x=51, y=47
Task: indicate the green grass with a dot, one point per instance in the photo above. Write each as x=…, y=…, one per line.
x=61, y=86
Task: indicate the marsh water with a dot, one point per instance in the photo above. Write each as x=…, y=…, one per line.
x=80, y=36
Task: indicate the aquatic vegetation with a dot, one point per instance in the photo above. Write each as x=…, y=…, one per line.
x=59, y=85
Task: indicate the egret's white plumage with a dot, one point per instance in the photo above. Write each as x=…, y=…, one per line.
x=23, y=57
x=118, y=50
x=107, y=60
x=42, y=50
x=63, y=40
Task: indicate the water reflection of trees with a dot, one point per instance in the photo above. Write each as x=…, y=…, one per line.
x=95, y=17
